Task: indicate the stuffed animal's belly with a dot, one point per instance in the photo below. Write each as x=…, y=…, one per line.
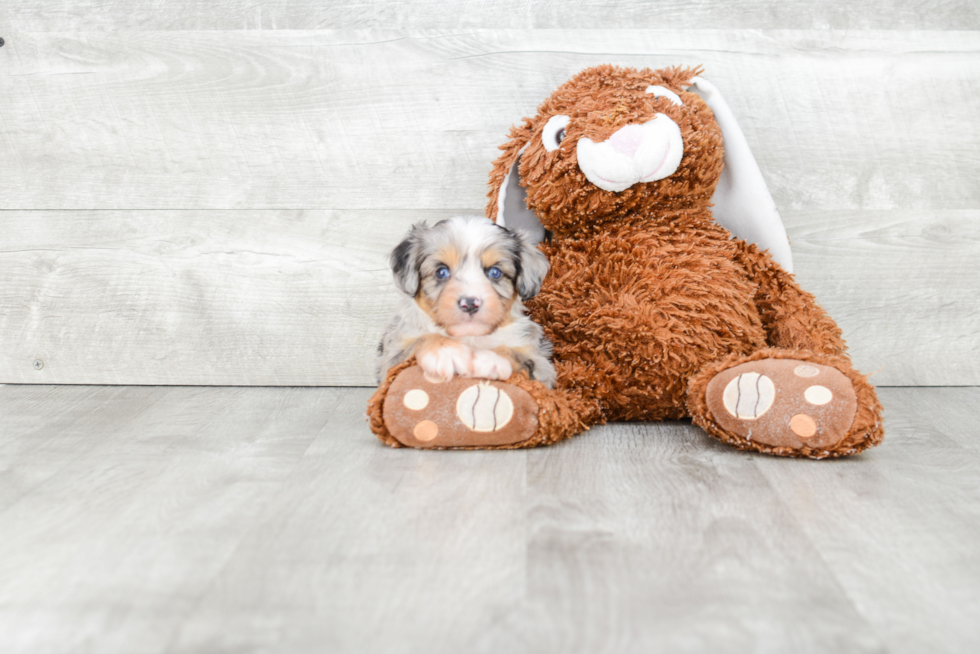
x=630, y=327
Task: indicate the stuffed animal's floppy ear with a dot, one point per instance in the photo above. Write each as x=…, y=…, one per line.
x=510, y=210
x=405, y=260
x=742, y=202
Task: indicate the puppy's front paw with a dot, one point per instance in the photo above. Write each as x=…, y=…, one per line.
x=490, y=365
x=440, y=364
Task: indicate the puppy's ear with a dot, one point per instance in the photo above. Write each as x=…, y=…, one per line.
x=534, y=266
x=406, y=259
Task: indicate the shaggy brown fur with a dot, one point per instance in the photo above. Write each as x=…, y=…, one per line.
x=648, y=297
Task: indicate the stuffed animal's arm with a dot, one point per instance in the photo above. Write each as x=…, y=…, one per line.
x=791, y=316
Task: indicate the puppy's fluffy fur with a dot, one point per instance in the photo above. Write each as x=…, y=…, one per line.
x=464, y=282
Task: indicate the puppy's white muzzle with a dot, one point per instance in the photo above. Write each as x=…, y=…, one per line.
x=634, y=153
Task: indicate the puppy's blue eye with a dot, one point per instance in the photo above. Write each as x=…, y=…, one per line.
x=442, y=272
x=494, y=273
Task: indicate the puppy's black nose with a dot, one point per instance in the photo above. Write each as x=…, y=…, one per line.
x=469, y=304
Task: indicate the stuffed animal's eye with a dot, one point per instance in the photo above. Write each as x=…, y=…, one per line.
x=442, y=272
x=663, y=92
x=494, y=273
x=554, y=132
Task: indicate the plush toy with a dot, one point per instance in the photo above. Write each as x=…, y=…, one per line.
x=635, y=181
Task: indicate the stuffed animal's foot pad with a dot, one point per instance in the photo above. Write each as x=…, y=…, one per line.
x=462, y=412
x=783, y=403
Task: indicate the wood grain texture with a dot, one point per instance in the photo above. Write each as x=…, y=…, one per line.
x=365, y=535
x=683, y=520
x=903, y=287
x=383, y=120
x=259, y=179
x=301, y=297
x=270, y=520
x=57, y=15
x=182, y=297
x=55, y=425
x=146, y=511
x=917, y=500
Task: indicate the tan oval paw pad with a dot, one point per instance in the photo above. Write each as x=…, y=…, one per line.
x=416, y=399
x=483, y=407
x=749, y=396
x=806, y=370
x=803, y=425
x=818, y=395
x=426, y=431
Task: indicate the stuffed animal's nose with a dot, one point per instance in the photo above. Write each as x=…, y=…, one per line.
x=469, y=305
x=627, y=140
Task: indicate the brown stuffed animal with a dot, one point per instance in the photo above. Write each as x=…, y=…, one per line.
x=655, y=310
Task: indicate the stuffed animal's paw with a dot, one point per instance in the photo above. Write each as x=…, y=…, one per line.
x=460, y=413
x=783, y=403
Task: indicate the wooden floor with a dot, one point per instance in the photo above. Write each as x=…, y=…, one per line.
x=189, y=519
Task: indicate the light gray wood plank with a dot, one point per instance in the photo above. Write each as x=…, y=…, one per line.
x=381, y=119
x=639, y=532
x=946, y=414
x=112, y=551
x=302, y=297
x=169, y=297
x=47, y=428
x=899, y=525
x=368, y=120
x=373, y=549
x=56, y=15
x=902, y=285
x=270, y=519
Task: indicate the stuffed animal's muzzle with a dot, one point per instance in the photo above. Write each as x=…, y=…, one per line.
x=635, y=153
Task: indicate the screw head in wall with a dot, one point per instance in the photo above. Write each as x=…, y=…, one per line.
x=38, y=364
x=1, y=41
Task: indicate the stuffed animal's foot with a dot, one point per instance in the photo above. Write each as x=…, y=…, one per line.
x=783, y=403
x=458, y=413
x=788, y=406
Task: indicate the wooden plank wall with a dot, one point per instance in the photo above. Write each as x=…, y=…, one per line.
x=206, y=193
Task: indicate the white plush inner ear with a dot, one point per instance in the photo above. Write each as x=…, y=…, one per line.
x=742, y=202
x=512, y=211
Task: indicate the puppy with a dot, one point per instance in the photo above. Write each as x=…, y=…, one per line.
x=464, y=282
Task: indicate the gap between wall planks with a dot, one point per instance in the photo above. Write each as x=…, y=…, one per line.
x=289, y=163
x=192, y=297
x=376, y=120
x=75, y=15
